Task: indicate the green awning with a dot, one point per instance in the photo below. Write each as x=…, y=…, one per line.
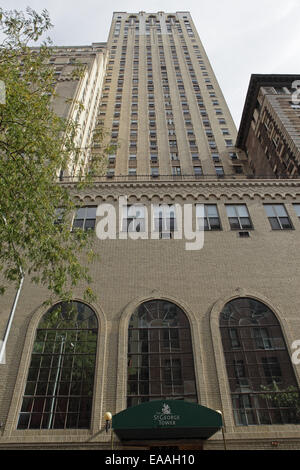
x=166, y=419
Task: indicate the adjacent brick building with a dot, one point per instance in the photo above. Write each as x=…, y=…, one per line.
x=270, y=126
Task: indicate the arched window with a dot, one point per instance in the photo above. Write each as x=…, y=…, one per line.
x=262, y=382
x=160, y=354
x=60, y=381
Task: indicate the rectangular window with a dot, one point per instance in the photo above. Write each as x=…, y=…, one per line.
x=240, y=373
x=272, y=370
x=85, y=218
x=234, y=338
x=176, y=171
x=219, y=170
x=261, y=338
x=165, y=220
x=209, y=219
x=278, y=217
x=198, y=171
x=110, y=173
x=172, y=372
x=238, y=169
x=238, y=217
x=225, y=131
x=133, y=219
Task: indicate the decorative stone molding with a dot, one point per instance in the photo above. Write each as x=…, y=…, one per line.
x=194, y=191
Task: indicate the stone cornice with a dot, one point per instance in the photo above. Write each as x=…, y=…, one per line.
x=208, y=190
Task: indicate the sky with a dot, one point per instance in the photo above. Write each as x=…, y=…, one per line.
x=240, y=37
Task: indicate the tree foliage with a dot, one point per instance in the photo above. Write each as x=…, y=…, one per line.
x=35, y=145
x=283, y=398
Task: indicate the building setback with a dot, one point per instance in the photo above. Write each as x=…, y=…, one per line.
x=190, y=342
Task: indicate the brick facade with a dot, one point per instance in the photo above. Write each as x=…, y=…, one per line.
x=263, y=266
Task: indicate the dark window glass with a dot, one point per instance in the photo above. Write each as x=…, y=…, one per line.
x=262, y=382
x=160, y=356
x=133, y=219
x=208, y=215
x=85, y=218
x=274, y=223
x=165, y=220
x=272, y=369
x=238, y=217
x=60, y=381
x=278, y=217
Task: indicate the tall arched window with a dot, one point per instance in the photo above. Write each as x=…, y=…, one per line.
x=160, y=354
x=60, y=381
x=262, y=382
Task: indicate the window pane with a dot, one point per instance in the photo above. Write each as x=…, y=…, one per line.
x=231, y=212
x=136, y=211
x=211, y=211
x=214, y=223
x=234, y=223
x=285, y=222
x=242, y=211
x=200, y=212
x=91, y=212
x=269, y=210
x=202, y=223
x=245, y=222
x=140, y=225
x=89, y=224
x=78, y=223
x=280, y=210
x=274, y=223
x=80, y=214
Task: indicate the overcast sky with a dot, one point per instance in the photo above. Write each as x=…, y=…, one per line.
x=240, y=37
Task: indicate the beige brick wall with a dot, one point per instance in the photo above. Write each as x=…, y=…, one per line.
x=264, y=266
